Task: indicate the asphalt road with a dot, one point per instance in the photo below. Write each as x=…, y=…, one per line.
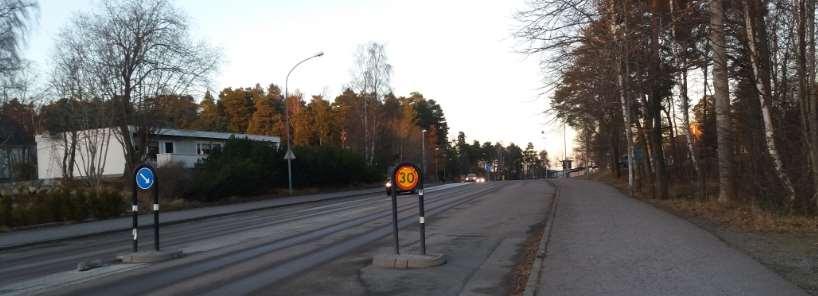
x=234, y=254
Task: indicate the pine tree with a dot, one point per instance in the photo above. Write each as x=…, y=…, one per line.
x=211, y=117
x=266, y=120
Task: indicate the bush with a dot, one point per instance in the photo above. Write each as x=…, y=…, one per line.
x=175, y=182
x=245, y=167
x=331, y=166
x=6, y=203
x=60, y=205
x=107, y=204
x=242, y=167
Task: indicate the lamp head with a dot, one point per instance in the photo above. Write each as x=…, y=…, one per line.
x=320, y=53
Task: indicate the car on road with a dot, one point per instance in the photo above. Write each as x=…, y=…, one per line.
x=474, y=178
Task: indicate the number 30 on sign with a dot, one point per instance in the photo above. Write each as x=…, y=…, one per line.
x=406, y=177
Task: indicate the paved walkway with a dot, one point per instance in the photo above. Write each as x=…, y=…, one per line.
x=604, y=243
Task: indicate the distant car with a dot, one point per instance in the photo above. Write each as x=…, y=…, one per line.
x=470, y=178
x=481, y=180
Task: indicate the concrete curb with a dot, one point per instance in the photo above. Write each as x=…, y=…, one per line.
x=149, y=256
x=405, y=261
x=542, y=251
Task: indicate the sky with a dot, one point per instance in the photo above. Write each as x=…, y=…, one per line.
x=460, y=53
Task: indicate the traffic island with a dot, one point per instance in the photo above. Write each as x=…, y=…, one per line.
x=406, y=261
x=150, y=256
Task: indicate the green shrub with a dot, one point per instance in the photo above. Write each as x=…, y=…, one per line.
x=108, y=204
x=175, y=182
x=245, y=167
x=59, y=205
x=242, y=167
x=330, y=166
x=6, y=204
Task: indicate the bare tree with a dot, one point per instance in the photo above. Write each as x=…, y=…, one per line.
x=764, y=97
x=681, y=78
x=15, y=18
x=371, y=77
x=806, y=93
x=133, y=50
x=623, y=71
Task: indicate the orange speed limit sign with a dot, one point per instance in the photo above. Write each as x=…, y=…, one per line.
x=406, y=176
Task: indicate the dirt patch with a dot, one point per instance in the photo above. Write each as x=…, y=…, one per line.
x=786, y=244
x=518, y=278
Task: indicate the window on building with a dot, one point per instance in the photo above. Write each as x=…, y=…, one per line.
x=168, y=147
x=204, y=148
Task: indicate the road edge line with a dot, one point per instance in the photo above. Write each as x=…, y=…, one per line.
x=542, y=250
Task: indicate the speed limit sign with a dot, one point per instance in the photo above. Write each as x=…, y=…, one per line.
x=406, y=177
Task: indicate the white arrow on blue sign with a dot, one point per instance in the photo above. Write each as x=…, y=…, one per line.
x=145, y=178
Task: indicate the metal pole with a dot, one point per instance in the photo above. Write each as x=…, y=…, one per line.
x=135, y=211
x=155, y=211
x=287, y=121
x=564, y=152
x=395, y=213
x=422, y=219
x=437, y=170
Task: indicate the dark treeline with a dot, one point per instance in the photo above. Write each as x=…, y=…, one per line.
x=623, y=79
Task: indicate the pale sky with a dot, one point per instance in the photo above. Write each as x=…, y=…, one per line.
x=459, y=53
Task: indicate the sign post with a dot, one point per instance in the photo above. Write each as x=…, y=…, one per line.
x=422, y=219
x=407, y=177
x=395, y=215
x=146, y=179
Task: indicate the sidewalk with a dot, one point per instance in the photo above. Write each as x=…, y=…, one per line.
x=605, y=243
x=53, y=233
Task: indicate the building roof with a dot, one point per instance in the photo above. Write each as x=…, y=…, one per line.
x=214, y=135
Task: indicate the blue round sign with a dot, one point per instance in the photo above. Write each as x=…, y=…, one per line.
x=145, y=178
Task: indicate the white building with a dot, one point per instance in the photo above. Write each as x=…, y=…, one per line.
x=101, y=150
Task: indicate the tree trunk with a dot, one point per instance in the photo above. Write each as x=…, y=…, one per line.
x=805, y=50
x=655, y=113
x=811, y=94
x=621, y=73
x=763, y=88
x=694, y=158
x=724, y=127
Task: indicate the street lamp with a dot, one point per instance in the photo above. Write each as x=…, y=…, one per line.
x=437, y=170
x=423, y=153
x=290, y=155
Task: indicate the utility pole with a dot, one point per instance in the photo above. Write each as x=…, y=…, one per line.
x=564, y=152
x=290, y=155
